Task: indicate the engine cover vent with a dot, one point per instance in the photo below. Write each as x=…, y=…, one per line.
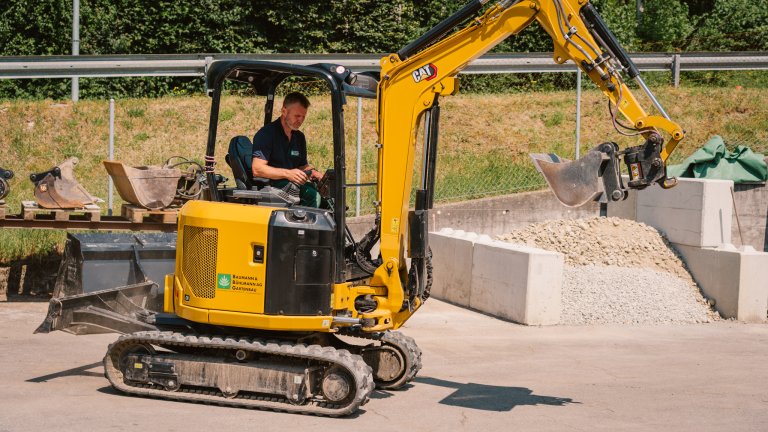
x=199, y=262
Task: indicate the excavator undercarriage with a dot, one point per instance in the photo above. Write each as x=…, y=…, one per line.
x=160, y=355
x=239, y=371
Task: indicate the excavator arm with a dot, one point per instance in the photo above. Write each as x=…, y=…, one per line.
x=412, y=81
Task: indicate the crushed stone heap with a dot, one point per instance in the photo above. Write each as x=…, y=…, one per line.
x=618, y=271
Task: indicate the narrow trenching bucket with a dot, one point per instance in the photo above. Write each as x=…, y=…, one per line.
x=574, y=183
x=150, y=187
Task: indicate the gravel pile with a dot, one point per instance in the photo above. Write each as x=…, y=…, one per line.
x=618, y=271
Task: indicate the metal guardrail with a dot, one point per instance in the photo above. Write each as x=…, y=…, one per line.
x=196, y=64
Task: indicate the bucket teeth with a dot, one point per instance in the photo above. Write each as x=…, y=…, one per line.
x=574, y=183
x=58, y=188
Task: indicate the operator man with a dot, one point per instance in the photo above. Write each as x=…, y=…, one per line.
x=280, y=151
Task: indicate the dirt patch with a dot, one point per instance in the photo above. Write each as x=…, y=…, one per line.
x=29, y=280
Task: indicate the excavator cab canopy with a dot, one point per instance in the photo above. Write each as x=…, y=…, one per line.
x=264, y=78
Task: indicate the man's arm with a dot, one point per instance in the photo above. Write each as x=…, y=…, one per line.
x=261, y=169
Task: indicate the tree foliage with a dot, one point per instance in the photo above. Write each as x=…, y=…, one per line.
x=733, y=25
x=43, y=27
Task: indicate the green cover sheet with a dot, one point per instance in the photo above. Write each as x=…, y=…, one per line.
x=714, y=161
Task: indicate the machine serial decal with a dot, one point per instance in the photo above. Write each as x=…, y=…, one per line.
x=426, y=72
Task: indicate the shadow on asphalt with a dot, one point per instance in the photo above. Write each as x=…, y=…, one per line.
x=84, y=370
x=491, y=398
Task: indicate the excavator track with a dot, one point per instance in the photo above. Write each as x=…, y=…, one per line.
x=395, y=361
x=240, y=372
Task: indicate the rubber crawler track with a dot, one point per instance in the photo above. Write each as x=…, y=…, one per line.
x=407, y=346
x=354, y=364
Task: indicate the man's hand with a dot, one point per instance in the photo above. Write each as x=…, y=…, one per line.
x=316, y=175
x=296, y=176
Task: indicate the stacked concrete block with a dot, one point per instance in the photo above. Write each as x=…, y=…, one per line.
x=452, y=252
x=696, y=212
x=736, y=279
x=696, y=217
x=514, y=282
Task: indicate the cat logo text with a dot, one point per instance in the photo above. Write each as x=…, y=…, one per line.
x=426, y=72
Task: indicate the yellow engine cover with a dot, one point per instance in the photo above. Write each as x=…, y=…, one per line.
x=215, y=265
x=221, y=268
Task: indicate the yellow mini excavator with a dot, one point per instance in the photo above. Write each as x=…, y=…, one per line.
x=277, y=306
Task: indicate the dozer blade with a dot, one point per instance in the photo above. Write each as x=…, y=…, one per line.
x=574, y=183
x=125, y=309
x=58, y=188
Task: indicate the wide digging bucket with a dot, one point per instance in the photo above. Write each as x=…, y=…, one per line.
x=57, y=188
x=110, y=282
x=150, y=187
x=574, y=183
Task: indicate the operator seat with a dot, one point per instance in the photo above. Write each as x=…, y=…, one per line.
x=240, y=158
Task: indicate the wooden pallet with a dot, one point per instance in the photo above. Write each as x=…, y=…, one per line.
x=32, y=211
x=138, y=214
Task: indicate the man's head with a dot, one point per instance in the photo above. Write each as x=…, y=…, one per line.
x=294, y=110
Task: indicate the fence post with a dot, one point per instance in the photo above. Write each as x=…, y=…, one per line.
x=578, y=113
x=676, y=69
x=208, y=61
x=358, y=155
x=75, y=46
x=111, y=151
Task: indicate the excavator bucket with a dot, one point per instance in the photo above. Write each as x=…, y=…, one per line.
x=57, y=188
x=592, y=177
x=150, y=187
x=110, y=282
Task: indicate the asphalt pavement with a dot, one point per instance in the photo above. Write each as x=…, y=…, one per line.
x=480, y=374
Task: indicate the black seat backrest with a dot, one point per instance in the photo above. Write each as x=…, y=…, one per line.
x=239, y=158
x=241, y=180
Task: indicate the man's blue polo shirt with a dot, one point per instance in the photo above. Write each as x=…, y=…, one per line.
x=271, y=144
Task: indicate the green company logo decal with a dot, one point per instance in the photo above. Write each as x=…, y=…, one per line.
x=223, y=281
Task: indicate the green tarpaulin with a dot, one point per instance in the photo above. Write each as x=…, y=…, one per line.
x=714, y=161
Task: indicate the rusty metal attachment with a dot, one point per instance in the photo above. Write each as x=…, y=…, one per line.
x=192, y=181
x=57, y=188
x=151, y=187
x=5, y=175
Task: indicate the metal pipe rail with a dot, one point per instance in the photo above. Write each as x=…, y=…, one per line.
x=106, y=223
x=197, y=64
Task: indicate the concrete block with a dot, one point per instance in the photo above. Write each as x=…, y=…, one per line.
x=451, y=265
x=696, y=212
x=734, y=278
x=626, y=209
x=517, y=282
x=751, y=226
